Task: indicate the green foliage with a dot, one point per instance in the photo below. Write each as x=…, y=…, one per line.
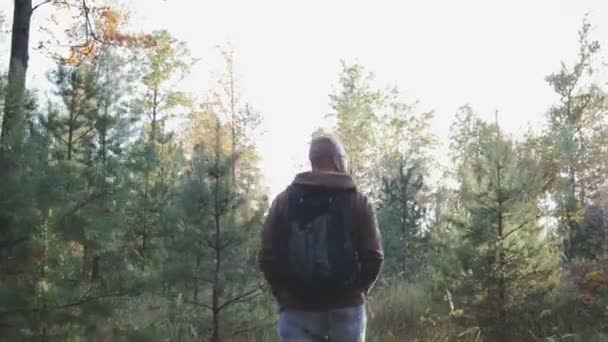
x=355, y=109
x=577, y=129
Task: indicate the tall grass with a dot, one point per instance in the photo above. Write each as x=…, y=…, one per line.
x=396, y=313
x=404, y=312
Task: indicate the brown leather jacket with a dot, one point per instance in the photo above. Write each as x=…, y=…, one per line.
x=365, y=232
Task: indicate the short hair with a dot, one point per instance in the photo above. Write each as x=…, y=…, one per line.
x=325, y=147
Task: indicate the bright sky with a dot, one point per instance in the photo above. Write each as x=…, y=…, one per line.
x=493, y=55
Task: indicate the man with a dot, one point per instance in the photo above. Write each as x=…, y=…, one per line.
x=319, y=276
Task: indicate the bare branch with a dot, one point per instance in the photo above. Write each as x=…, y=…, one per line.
x=40, y=4
x=90, y=31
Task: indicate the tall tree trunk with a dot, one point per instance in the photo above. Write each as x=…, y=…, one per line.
x=404, y=221
x=70, y=140
x=234, y=123
x=151, y=139
x=502, y=290
x=215, y=306
x=13, y=121
x=103, y=137
x=154, y=122
x=500, y=254
x=571, y=207
x=216, y=277
x=196, y=280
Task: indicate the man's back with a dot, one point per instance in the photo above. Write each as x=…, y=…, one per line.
x=316, y=250
x=359, y=222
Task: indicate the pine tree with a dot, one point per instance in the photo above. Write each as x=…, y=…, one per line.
x=498, y=251
x=23, y=203
x=219, y=207
x=156, y=156
x=212, y=264
x=78, y=246
x=404, y=162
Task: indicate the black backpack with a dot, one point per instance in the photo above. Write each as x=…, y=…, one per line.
x=317, y=257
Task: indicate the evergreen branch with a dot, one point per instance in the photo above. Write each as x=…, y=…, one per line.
x=82, y=204
x=506, y=262
x=521, y=226
x=242, y=297
x=187, y=301
x=58, y=137
x=486, y=205
x=548, y=182
x=83, y=134
x=230, y=242
x=85, y=299
x=210, y=243
x=195, y=303
x=237, y=238
x=206, y=280
x=247, y=228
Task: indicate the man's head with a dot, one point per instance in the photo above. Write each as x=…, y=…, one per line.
x=327, y=154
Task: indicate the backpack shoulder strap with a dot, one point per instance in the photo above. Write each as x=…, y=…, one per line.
x=295, y=194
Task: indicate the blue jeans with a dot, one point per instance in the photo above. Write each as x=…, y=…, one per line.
x=339, y=325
